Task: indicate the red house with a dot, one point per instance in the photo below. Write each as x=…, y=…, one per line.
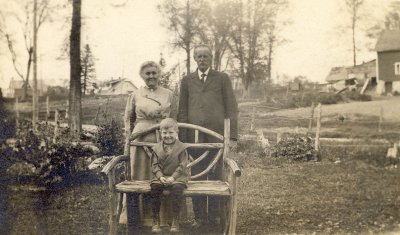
x=388, y=62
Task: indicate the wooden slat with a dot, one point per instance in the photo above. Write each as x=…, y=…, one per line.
x=209, y=167
x=197, y=160
x=196, y=136
x=233, y=166
x=158, y=135
x=190, y=145
x=148, y=151
x=111, y=164
x=206, y=187
x=180, y=125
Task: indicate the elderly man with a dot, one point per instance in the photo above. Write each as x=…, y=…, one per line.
x=206, y=99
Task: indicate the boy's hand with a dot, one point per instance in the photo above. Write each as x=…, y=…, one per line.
x=163, y=180
x=170, y=179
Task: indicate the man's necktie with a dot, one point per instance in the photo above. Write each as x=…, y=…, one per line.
x=203, y=75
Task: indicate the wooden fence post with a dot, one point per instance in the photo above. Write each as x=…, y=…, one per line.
x=317, y=134
x=253, y=114
x=97, y=115
x=380, y=120
x=278, y=136
x=56, y=125
x=47, y=108
x=16, y=114
x=66, y=110
x=310, y=123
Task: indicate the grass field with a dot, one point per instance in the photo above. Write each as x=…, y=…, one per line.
x=360, y=119
x=353, y=189
x=355, y=195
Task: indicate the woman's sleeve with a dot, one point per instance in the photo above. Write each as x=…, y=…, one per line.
x=129, y=120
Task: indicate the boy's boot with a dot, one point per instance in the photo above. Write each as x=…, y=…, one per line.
x=175, y=225
x=156, y=224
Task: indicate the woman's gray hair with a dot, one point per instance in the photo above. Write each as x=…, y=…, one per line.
x=151, y=64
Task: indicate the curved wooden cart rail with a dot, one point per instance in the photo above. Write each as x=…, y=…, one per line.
x=226, y=188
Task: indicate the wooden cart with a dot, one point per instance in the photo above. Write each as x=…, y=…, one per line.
x=225, y=188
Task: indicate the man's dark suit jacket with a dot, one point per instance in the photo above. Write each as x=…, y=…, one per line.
x=207, y=104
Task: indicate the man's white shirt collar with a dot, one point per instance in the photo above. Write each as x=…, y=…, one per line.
x=206, y=73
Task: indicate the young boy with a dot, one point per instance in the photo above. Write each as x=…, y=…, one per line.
x=170, y=176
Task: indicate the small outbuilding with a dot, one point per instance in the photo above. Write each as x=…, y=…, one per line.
x=353, y=76
x=119, y=86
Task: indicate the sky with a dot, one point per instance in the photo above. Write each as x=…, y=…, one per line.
x=122, y=38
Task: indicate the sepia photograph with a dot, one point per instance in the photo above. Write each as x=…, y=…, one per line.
x=200, y=117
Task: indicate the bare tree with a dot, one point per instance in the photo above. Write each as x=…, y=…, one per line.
x=254, y=36
x=183, y=20
x=25, y=24
x=217, y=28
x=353, y=8
x=75, y=105
x=391, y=21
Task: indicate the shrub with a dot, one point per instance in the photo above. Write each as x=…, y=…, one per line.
x=293, y=148
x=7, y=123
x=51, y=162
x=109, y=137
x=328, y=98
x=305, y=99
x=353, y=95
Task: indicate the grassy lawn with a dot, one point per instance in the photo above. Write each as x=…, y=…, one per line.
x=354, y=196
x=354, y=189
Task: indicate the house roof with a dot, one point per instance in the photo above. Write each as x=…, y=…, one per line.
x=114, y=85
x=15, y=84
x=337, y=74
x=114, y=81
x=389, y=40
x=367, y=69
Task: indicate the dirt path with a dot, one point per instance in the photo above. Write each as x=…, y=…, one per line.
x=391, y=109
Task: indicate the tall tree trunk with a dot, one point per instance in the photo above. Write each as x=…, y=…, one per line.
x=35, y=100
x=84, y=78
x=28, y=71
x=354, y=44
x=217, y=57
x=188, y=36
x=268, y=91
x=187, y=58
x=75, y=108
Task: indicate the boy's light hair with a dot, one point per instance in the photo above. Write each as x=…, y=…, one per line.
x=168, y=123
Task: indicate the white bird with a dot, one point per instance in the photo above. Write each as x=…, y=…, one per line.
x=262, y=140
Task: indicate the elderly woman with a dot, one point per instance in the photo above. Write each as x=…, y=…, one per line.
x=146, y=107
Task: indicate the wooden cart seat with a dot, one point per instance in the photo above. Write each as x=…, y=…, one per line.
x=206, y=187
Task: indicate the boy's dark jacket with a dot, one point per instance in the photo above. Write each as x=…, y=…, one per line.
x=173, y=164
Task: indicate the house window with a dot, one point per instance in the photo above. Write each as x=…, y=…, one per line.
x=397, y=68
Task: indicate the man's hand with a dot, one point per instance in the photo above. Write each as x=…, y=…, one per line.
x=163, y=180
x=233, y=145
